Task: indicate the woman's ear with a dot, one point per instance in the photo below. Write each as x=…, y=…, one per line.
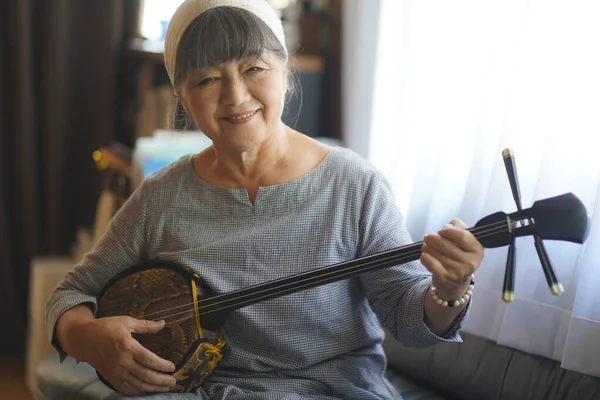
x=180, y=116
x=180, y=98
x=287, y=81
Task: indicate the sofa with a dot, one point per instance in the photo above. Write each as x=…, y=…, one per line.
x=476, y=369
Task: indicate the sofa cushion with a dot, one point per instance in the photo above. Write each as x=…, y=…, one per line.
x=480, y=369
x=533, y=377
x=410, y=389
x=68, y=380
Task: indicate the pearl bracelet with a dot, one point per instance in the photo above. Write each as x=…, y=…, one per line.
x=453, y=303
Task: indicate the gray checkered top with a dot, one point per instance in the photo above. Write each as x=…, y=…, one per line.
x=320, y=343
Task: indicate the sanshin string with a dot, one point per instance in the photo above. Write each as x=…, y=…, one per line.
x=286, y=285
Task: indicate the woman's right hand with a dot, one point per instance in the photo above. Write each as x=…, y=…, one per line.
x=108, y=346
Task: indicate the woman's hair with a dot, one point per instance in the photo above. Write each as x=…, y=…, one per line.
x=221, y=35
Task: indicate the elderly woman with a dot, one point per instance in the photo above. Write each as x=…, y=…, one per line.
x=263, y=202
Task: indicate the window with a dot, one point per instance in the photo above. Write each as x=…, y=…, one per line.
x=156, y=15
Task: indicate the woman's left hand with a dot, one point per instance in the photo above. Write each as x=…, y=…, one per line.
x=452, y=256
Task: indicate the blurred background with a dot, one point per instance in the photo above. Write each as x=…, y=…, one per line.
x=429, y=91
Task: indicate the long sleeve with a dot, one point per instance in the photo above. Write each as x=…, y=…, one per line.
x=122, y=246
x=396, y=294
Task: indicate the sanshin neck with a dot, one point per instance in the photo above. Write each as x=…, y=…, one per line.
x=241, y=298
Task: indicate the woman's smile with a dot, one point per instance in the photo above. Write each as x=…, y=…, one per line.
x=241, y=118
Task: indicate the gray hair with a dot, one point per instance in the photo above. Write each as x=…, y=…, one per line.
x=220, y=35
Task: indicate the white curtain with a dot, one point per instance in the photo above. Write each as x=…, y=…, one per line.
x=434, y=90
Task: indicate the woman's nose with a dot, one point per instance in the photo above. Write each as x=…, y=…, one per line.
x=234, y=92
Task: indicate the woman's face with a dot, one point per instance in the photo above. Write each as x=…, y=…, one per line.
x=239, y=103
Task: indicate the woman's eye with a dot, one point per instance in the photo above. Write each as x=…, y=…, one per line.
x=254, y=69
x=206, y=81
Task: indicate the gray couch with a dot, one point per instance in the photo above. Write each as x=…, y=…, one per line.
x=474, y=370
x=478, y=369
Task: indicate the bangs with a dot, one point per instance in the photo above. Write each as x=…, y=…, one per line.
x=221, y=35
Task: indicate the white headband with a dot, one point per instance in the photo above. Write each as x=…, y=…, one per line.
x=189, y=10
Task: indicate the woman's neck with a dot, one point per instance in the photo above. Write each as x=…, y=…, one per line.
x=279, y=161
x=251, y=166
